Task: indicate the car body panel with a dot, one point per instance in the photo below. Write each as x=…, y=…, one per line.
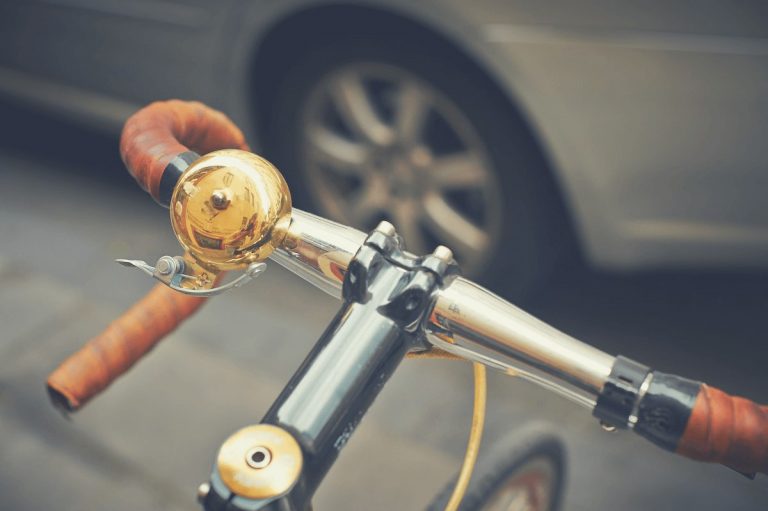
x=656, y=135
x=652, y=115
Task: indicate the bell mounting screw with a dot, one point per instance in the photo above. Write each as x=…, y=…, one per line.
x=168, y=265
x=219, y=199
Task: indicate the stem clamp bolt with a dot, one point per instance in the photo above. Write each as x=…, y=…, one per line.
x=443, y=253
x=386, y=228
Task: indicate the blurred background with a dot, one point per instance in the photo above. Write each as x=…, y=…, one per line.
x=600, y=163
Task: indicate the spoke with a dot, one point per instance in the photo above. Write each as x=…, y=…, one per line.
x=358, y=112
x=412, y=109
x=457, y=171
x=405, y=217
x=366, y=203
x=453, y=228
x=342, y=155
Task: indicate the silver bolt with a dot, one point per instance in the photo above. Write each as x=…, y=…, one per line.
x=254, y=269
x=167, y=265
x=385, y=227
x=219, y=199
x=258, y=457
x=443, y=253
x=610, y=428
x=202, y=492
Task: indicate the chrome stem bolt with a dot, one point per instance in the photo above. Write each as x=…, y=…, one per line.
x=385, y=227
x=443, y=253
x=202, y=492
x=219, y=199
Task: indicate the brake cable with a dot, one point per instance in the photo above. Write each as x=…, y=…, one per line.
x=475, y=436
x=476, y=429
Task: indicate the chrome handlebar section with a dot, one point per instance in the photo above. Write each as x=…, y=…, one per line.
x=318, y=250
x=466, y=319
x=470, y=321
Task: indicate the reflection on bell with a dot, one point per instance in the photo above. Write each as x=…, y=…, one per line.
x=230, y=208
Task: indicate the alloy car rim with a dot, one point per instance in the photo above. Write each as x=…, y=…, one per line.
x=380, y=143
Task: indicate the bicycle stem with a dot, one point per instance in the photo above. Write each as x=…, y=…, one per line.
x=466, y=319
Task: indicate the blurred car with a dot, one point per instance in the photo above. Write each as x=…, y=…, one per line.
x=517, y=133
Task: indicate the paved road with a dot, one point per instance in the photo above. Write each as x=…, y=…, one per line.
x=150, y=439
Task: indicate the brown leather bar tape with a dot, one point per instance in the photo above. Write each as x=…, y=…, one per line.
x=729, y=430
x=104, y=358
x=152, y=138
x=161, y=131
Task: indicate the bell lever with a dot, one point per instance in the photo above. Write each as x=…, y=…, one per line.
x=170, y=271
x=230, y=209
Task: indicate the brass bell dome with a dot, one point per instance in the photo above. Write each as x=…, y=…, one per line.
x=230, y=209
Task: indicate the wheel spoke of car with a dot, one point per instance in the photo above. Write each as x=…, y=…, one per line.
x=452, y=227
x=341, y=154
x=367, y=202
x=381, y=142
x=354, y=104
x=412, y=110
x=458, y=171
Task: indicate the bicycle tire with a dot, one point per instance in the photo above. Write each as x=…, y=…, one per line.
x=517, y=463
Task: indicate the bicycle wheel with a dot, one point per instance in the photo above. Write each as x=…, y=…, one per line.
x=525, y=471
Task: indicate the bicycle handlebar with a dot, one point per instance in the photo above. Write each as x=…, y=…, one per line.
x=467, y=320
x=160, y=140
x=729, y=430
x=92, y=368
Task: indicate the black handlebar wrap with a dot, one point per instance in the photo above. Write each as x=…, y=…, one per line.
x=685, y=416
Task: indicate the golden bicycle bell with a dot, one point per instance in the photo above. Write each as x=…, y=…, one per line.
x=230, y=209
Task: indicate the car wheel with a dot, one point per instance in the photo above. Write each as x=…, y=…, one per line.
x=367, y=131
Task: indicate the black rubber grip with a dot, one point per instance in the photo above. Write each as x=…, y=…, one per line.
x=619, y=396
x=665, y=408
x=171, y=175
